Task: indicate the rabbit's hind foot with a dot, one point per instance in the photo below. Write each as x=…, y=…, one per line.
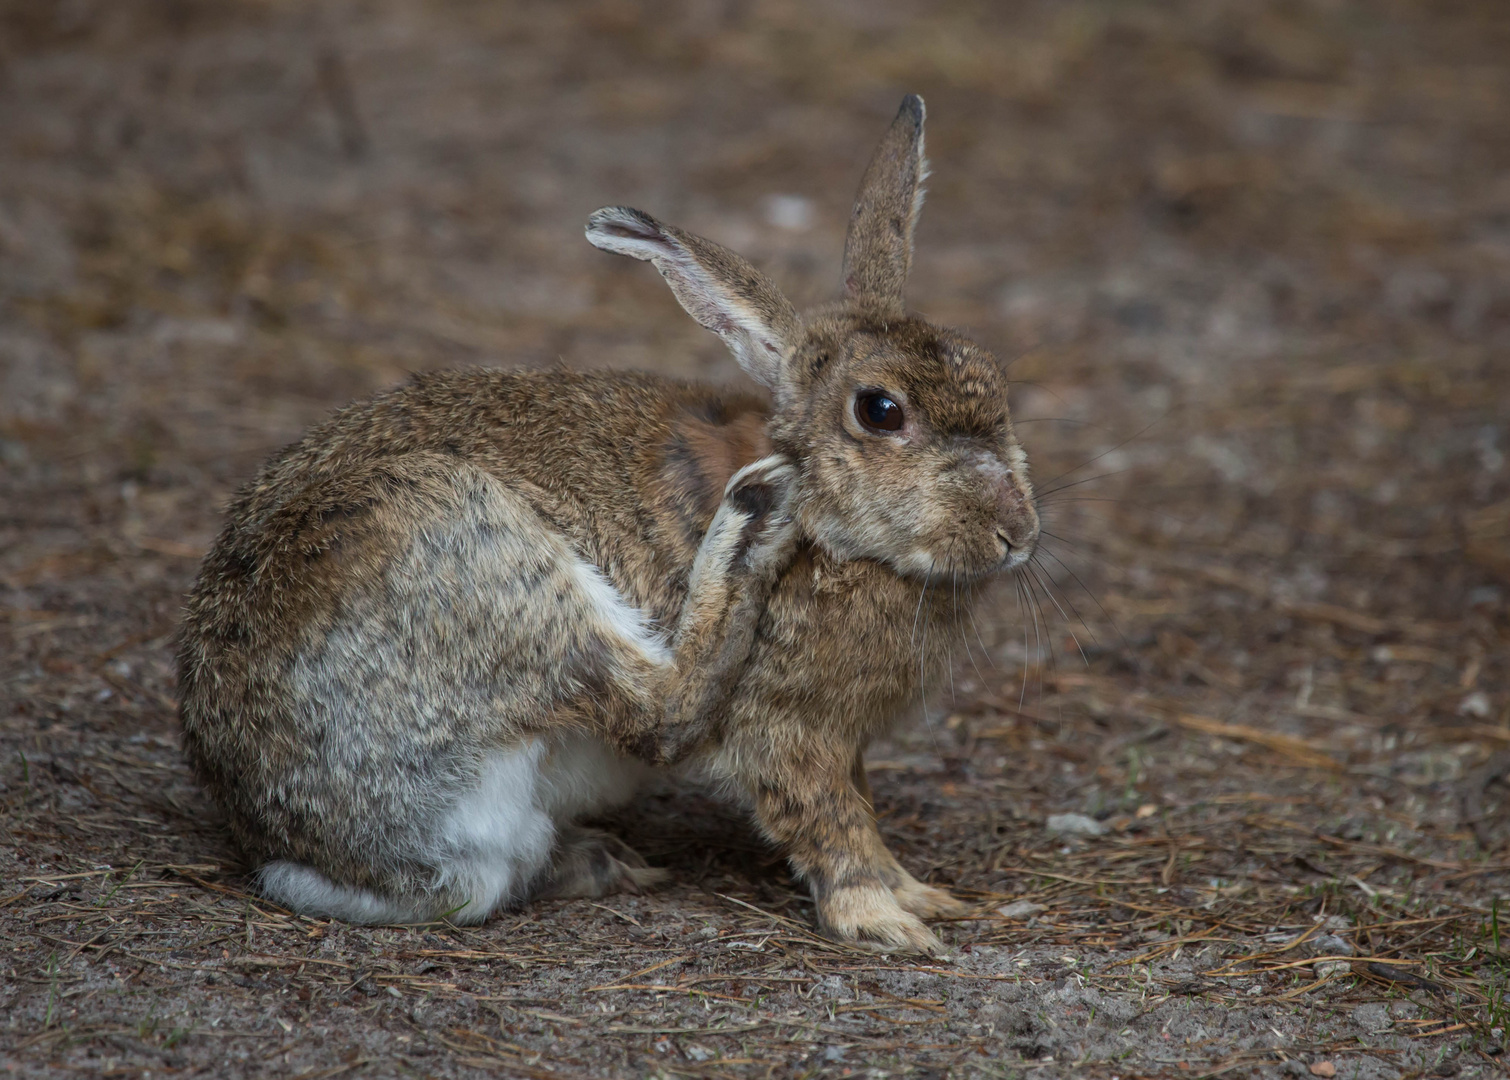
x=592, y=863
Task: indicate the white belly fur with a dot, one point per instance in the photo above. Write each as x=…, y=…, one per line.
x=495, y=841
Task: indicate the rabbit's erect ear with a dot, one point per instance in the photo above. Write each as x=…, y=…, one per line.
x=719, y=289
x=878, y=249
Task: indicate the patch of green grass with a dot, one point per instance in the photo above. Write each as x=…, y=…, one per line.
x=52, y=991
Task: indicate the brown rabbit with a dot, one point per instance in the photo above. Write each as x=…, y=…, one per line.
x=456, y=618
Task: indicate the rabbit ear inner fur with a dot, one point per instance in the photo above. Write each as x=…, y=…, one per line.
x=718, y=288
x=878, y=249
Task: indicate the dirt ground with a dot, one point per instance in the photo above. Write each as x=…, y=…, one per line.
x=1251, y=262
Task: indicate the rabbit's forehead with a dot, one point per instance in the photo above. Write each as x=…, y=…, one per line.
x=953, y=383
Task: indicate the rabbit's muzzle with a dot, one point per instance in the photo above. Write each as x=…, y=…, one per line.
x=1016, y=525
x=980, y=520
x=1003, y=511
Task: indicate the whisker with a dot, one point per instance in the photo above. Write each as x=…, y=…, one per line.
x=970, y=611
x=1091, y=498
x=933, y=735
x=912, y=638
x=959, y=626
x=1120, y=445
x=953, y=577
x=1085, y=589
x=1052, y=587
x=1078, y=550
x=1044, y=584
x=1016, y=421
x=1048, y=637
x=1055, y=536
x=1040, y=496
x=1049, y=390
x=1022, y=618
x=923, y=666
x=1046, y=504
x=1036, y=610
x=955, y=589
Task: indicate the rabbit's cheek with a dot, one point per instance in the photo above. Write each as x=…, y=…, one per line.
x=917, y=563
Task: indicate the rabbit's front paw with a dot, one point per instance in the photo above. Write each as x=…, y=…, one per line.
x=870, y=915
x=927, y=902
x=761, y=492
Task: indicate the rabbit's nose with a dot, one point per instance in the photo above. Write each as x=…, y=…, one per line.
x=1016, y=516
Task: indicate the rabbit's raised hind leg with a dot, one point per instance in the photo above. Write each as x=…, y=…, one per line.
x=750, y=541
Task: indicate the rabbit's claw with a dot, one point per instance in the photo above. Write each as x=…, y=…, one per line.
x=926, y=901
x=869, y=915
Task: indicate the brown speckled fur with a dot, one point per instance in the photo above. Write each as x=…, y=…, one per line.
x=782, y=672
x=326, y=515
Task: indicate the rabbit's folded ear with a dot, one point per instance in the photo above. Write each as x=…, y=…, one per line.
x=719, y=289
x=878, y=249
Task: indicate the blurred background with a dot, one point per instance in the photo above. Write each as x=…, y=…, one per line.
x=1249, y=261
x=1274, y=234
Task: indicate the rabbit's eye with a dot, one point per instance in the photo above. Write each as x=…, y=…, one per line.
x=878, y=412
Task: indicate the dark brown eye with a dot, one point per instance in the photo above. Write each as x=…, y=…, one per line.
x=878, y=412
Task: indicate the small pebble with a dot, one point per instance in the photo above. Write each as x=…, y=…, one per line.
x=1485, y=596
x=1020, y=909
x=1332, y=945
x=1373, y=1017
x=794, y=213
x=1475, y=704
x=1323, y=1068
x=1075, y=825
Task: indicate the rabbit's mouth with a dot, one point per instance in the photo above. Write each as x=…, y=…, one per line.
x=1015, y=552
x=1017, y=531
x=1003, y=552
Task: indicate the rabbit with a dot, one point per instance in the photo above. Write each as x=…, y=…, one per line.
x=458, y=618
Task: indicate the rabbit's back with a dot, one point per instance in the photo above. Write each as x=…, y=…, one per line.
x=628, y=466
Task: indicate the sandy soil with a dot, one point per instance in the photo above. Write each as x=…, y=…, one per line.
x=1251, y=262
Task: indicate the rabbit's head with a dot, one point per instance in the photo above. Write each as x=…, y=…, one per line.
x=899, y=428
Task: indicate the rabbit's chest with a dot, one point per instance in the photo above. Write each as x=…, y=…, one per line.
x=851, y=642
